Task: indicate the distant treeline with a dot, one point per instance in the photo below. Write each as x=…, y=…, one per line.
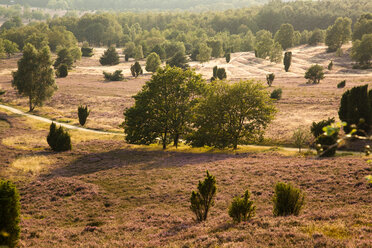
x=139, y=4
x=166, y=33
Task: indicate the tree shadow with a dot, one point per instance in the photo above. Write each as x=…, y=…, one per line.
x=147, y=160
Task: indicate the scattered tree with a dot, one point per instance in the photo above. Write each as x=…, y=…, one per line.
x=178, y=60
x=203, y=199
x=362, y=51
x=83, y=113
x=9, y=214
x=110, y=57
x=314, y=74
x=204, y=53
x=287, y=60
x=64, y=57
x=285, y=36
x=163, y=108
x=35, y=76
x=136, y=69
x=231, y=114
x=153, y=62
x=338, y=34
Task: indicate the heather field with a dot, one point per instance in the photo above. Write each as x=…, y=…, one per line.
x=105, y=193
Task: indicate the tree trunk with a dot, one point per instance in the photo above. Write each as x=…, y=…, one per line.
x=30, y=103
x=175, y=140
x=165, y=139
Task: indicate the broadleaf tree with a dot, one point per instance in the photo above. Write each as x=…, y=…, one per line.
x=163, y=108
x=35, y=76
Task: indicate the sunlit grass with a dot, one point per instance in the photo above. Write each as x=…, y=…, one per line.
x=334, y=230
x=33, y=164
x=26, y=142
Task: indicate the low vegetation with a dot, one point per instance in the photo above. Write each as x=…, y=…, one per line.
x=288, y=200
x=242, y=208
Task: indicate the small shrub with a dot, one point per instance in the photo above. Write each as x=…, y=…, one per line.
x=287, y=200
x=9, y=214
x=115, y=76
x=62, y=71
x=58, y=139
x=202, y=200
x=276, y=94
x=341, y=84
x=136, y=69
x=83, y=114
x=330, y=66
x=242, y=208
x=87, y=51
x=270, y=79
x=221, y=73
x=215, y=71
x=228, y=57
x=110, y=57
x=314, y=74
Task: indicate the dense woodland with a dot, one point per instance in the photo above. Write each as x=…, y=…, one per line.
x=264, y=29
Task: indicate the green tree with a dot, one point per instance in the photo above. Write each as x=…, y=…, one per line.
x=35, y=76
x=163, y=108
x=130, y=50
x=159, y=50
x=362, y=51
x=264, y=44
x=314, y=74
x=58, y=139
x=217, y=49
x=10, y=47
x=204, y=53
x=64, y=57
x=9, y=214
x=338, y=34
x=276, y=53
x=362, y=26
x=316, y=37
x=178, y=60
x=153, y=62
x=138, y=53
x=231, y=114
x=110, y=57
x=203, y=199
x=285, y=36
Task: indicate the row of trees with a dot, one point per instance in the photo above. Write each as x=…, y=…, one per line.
x=177, y=104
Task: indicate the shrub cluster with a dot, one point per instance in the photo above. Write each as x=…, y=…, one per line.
x=136, y=69
x=58, y=139
x=218, y=73
x=287, y=200
x=9, y=214
x=115, y=76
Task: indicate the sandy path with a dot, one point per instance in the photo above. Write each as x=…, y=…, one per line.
x=46, y=120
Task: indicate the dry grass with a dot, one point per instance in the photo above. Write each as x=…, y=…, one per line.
x=32, y=164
